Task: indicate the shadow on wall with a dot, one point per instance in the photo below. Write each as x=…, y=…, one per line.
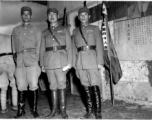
x=149, y=63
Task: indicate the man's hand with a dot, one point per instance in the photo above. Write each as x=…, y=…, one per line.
x=43, y=69
x=67, y=67
x=100, y=66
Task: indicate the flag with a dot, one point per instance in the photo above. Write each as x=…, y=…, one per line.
x=111, y=60
x=65, y=21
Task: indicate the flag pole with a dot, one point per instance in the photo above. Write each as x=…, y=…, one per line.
x=107, y=33
x=111, y=86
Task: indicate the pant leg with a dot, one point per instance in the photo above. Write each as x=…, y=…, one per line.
x=10, y=74
x=94, y=77
x=52, y=79
x=61, y=78
x=32, y=74
x=4, y=82
x=3, y=99
x=84, y=77
x=21, y=80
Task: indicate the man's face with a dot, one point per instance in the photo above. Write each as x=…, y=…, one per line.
x=26, y=16
x=84, y=17
x=52, y=17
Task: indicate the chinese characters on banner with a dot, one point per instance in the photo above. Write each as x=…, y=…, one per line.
x=133, y=38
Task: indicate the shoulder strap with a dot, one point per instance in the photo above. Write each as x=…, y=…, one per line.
x=54, y=36
x=83, y=35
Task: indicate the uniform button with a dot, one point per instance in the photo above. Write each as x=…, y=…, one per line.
x=24, y=33
x=25, y=27
x=52, y=39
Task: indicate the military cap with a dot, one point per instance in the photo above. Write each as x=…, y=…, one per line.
x=84, y=9
x=26, y=8
x=52, y=10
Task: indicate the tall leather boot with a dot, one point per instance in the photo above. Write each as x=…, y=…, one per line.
x=30, y=100
x=54, y=102
x=34, y=105
x=62, y=100
x=21, y=104
x=97, y=101
x=88, y=96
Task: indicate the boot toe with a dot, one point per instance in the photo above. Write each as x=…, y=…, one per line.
x=98, y=116
x=87, y=116
x=35, y=114
x=14, y=108
x=4, y=111
x=19, y=115
x=50, y=115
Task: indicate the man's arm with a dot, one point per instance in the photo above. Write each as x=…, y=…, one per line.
x=99, y=46
x=39, y=37
x=42, y=50
x=69, y=47
x=13, y=46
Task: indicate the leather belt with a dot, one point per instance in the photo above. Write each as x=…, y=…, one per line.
x=28, y=50
x=3, y=54
x=55, y=48
x=84, y=48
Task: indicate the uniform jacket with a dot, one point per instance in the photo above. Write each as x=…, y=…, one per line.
x=6, y=47
x=90, y=58
x=25, y=38
x=59, y=58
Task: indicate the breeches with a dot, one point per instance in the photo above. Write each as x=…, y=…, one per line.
x=27, y=76
x=7, y=74
x=89, y=77
x=56, y=78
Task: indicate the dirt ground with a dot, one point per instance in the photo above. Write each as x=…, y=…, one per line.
x=76, y=109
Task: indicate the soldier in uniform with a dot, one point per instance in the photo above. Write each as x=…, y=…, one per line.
x=26, y=40
x=7, y=69
x=56, y=59
x=88, y=59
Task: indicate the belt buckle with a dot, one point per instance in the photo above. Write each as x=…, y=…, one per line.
x=87, y=47
x=54, y=48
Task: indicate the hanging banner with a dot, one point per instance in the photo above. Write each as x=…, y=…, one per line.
x=133, y=39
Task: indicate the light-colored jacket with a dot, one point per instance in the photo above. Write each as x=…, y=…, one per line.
x=91, y=58
x=59, y=58
x=26, y=38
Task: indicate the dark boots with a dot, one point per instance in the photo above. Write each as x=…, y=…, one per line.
x=34, y=99
x=88, y=97
x=62, y=101
x=93, y=100
x=21, y=104
x=97, y=101
x=54, y=102
x=61, y=93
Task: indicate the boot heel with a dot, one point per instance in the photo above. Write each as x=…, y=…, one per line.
x=20, y=115
x=52, y=114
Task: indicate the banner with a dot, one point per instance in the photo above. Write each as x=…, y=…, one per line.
x=133, y=38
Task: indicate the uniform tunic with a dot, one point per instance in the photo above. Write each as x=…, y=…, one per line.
x=28, y=71
x=86, y=62
x=7, y=66
x=54, y=61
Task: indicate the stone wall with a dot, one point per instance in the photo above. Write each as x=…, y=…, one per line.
x=135, y=84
